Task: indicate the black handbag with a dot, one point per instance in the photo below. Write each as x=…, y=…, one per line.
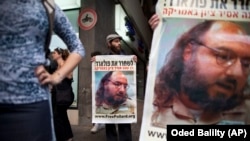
x=64, y=92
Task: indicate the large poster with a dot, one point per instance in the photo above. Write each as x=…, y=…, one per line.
x=114, y=89
x=199, y=66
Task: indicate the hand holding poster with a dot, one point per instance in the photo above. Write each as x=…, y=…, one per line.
x=199, y=66
x=114, y=89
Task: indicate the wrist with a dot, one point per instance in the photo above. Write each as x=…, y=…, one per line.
x=59, y=76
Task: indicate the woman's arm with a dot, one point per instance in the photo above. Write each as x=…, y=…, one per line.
x=64, y=29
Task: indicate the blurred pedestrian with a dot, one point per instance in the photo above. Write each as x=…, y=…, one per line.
x=24, y=92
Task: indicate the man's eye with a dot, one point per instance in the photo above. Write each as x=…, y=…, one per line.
x=117, y=84
x=245, y=63
x=222, y=57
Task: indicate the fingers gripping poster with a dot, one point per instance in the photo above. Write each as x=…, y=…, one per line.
x=114, y=89
x=199, y=66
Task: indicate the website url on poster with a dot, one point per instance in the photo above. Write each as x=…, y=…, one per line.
x=115, y=116
x=157, y=134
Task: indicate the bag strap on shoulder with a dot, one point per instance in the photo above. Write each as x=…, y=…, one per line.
x=50, y=9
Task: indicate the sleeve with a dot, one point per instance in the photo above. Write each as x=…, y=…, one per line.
x=64, y=29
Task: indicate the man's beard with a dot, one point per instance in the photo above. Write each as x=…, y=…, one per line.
x=196, y=87
x=115, y=102
x=115, y=49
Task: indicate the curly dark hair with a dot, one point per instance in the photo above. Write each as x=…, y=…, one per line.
x=63, y=52
x=167, y=83
x=99, y=93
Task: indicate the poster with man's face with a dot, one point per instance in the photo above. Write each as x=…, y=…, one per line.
x=114, y=89
x=198, y=68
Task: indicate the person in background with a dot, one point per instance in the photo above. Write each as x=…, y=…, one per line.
x=25, y=108
x=61, y=121
x=96, y=126
x=124, y=130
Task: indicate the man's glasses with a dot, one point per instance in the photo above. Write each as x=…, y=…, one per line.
x=118, y=85
x=225, y=57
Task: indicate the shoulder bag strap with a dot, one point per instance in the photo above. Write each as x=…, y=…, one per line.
x=50, y=9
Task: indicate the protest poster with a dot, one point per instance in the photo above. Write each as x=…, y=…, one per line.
x=215, y=80
x=114, y=89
